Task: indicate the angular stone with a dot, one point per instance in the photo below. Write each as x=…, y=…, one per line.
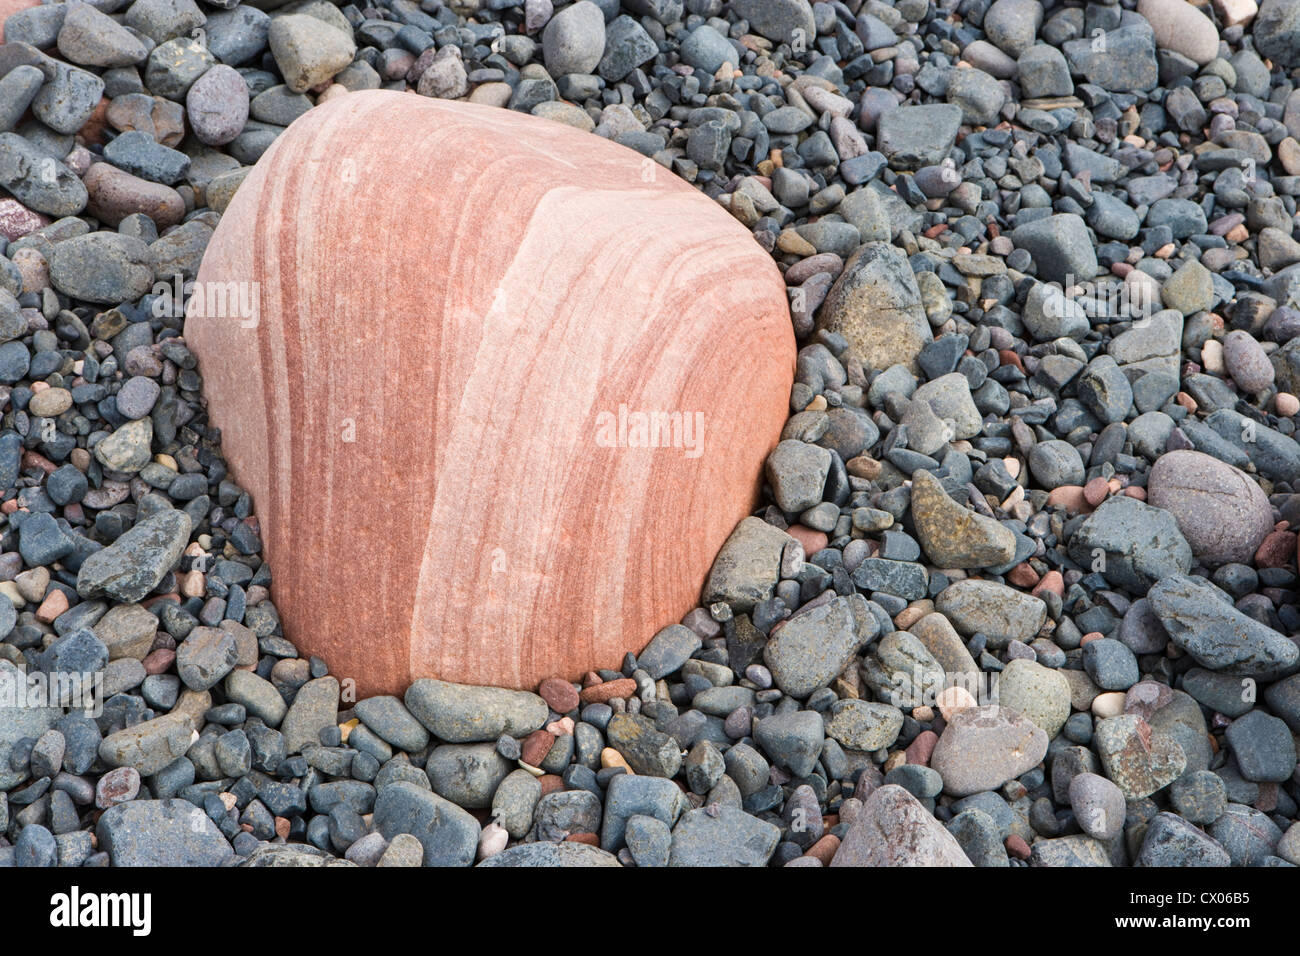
x=812, y=648
x=1131, y=543
x=551, y=855
x=863, y=725
x=315, y=708
x=912, y=137
x=1037, y=692
x=308, y=51
x=131, y=567
x=149, y=746
x=1201, y=620
x=159, y=833
x=722, y=836
x=1138, y=760
x=894, y=829
x=954, y=536
x=876, y=304
x=448, y=833
x=748, y=566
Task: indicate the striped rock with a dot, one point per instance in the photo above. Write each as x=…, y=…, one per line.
x=460, y=312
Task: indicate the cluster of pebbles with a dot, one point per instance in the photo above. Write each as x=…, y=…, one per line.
x=1023, y=588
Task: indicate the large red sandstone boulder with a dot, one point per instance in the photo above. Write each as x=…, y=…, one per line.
x=463, y=311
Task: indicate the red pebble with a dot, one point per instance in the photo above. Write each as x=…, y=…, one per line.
x=536, y=746
x=600, y=693
x=1051, y=581
x=1017, y=847
x=1096, y=491
x=812, y=541
x=1276, y=550
x=920, y=749
x=1023, y=576
x=559, y=694
x=159, y=661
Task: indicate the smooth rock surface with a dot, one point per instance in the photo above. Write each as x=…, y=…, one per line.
x=894, y=829
x=1222, y=513
x=533, y=600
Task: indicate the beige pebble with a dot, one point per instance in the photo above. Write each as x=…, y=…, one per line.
x=560, y=727
x=1286, y=404
x=492, y=840
x=1012, y=466
x=1108, y=705
x=1212, y=356
x=332, y=92
x=950, y=700
x=1233, y=12
x=609, y=757
x=193, y=584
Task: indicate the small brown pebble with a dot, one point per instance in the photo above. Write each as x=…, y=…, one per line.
x=536, y=746
x=1276, y=550
x=591, y=839
x=1069, y=497
x=55, y=603
x=1096, y=491
x=1051, y=581
x=159, y=661
x=824, y=849
x=812, y=541
x=551, y=783
x=32, y=459
x=559, y=694
x=863, y=466
x=1017, y=847
x=1023, y=576
x=910, y=615
x=920, y=749
x=1090, y=637
x=600, y=693
x=1267, y=800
